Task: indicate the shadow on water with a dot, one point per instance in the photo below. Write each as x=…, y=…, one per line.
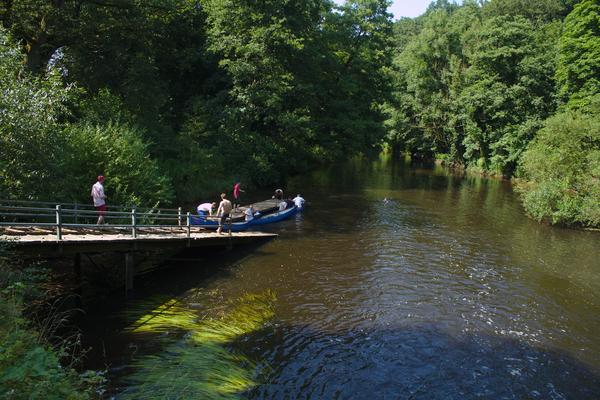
x=245, y=353
x=421, y=362
x=103, y=321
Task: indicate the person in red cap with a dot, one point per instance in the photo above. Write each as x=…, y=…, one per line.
x=99, y=198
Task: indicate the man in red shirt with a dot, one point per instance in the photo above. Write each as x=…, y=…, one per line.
x=237, y=191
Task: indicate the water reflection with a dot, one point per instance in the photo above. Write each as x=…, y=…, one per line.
x=447, y=291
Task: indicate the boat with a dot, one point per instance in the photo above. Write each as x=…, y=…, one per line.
x=260, y=219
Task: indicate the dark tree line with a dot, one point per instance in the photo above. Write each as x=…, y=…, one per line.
x=174, y=99
x=506, y=87
x=183, y=97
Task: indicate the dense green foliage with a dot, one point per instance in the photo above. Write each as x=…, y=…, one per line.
x=578, y=71
x=562, y=168
x=207, y=93
x=29, y=366
x=178, y=99
x=45, y=155
x=474, y=84
x=212, y=92
x=562, y=164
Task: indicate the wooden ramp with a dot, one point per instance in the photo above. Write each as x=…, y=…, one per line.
x=75, y=240
x=36, y=229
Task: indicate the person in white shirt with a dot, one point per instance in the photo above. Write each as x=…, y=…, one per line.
x=206, y=208
x=99, y=199
x=249, y=212
x=298, y=201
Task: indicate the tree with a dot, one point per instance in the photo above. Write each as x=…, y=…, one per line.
x=354, y=53
x=536, y=11
x=578, y=71
x=45, y=156
x=31, y=111
x=509, y=89
x=429, y=74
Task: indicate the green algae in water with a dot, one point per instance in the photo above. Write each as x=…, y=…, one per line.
x=199, y=366
x=168, y=316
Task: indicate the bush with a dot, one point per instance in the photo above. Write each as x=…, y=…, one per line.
x=44, y=155
x=29, y=367
x=562, y=171
x=118, y=152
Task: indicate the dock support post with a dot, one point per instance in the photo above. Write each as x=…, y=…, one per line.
x=78, y=276
x=129, y=272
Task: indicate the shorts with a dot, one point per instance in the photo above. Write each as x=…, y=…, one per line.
x=223, y=219
x=101, y=210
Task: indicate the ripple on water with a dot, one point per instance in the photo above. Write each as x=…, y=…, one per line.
x=444, y=292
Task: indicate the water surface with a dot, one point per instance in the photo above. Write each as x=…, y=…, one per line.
x=444, y=291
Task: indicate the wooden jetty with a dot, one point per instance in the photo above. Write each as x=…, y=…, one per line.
x=44, y=241
x=37, y=230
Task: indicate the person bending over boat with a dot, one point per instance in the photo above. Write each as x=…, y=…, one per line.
x=285, y=204
x=205, y=209
x=249, y=213
x=223, y=211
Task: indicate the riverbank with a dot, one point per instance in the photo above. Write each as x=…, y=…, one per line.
x=567, y=201
x=30, y=366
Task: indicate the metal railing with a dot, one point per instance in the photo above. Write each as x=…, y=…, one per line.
x=73, y=215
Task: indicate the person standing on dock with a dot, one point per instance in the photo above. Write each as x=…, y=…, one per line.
x=278, y=194
x=99, y=198
x=237, y=194
x=223, y=211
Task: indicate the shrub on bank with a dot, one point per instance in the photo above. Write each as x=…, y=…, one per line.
x=30, y=368
x=117, y=151
x=561, y=168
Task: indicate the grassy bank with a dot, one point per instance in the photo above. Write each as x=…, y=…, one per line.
x=30, y=367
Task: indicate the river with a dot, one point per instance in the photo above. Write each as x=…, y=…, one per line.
x=444, y=291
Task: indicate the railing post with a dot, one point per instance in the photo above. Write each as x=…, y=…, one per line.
x=76, y=214
x=189, y=224
x=179, y=216
x=133, y=223
x=58, y=222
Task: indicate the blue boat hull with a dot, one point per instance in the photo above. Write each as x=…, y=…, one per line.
x=242, y=226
